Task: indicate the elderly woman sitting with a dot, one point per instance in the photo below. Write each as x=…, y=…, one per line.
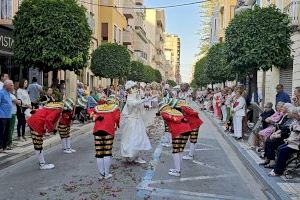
x=285, y=151
x=281, y=132
x=281, y=110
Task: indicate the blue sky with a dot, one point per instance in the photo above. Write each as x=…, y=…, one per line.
x=184, y=22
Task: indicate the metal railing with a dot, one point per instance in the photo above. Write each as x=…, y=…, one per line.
x=292, y=10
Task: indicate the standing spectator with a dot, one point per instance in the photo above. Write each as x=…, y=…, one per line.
x=238, y=113
x=4, y=77
x=91, y=102
x=12, y=122
x=296, y=98
x=108, y=91
x=5, y=112
x=34, y=91
x=62, y=88
x=282, y=95
x=48, y=97
x=22, y=95
x=80, y=90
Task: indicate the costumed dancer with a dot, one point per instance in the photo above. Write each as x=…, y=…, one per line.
x=167, y=135
x=42, y=121
x=194, y=121
x=180, y=130
x=107, y=118
x=134, y=137
x=64, y=125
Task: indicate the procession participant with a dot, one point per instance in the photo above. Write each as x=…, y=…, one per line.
x=134, y=137
x=107, y=118
x=180, y=130
x=42, y=121
x=194, y=121
x=184, y=91
x=64, y=125
x=168, y=137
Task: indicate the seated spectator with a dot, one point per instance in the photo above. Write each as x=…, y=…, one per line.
x=286, y=150
x=48, y=97
x=281, y=132
x=296, y=98
x=281, y=109
x=268, y=112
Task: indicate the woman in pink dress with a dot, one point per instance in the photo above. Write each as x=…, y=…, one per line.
x=217, y=106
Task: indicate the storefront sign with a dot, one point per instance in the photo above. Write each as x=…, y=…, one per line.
x=6, y=39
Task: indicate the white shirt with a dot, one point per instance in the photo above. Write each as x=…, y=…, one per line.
x=23, y=95
x=14, y=106
x=1, y=85
x=239, y=110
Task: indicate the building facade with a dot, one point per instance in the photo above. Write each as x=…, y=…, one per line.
x=155, y=28
x=172, y=53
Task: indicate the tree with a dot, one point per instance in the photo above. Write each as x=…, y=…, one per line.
x=158, y=77
x=51, y=35
x=257, y=40
x=171, y=83
x=111, y=61
x=218, y=69
x=200, y=73
x=136, y=71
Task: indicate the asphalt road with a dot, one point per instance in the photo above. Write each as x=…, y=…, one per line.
x=215, y=173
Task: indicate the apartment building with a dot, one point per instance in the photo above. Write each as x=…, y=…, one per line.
x=7, y=12
x=155, y=28
x=172, y=53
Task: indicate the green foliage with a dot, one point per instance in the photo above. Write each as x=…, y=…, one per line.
x=217, y=69
x=259, y=39
x=171, y=83
x=51, y=34
x=143, y=73
x=111, y=61
x=200, y=78
x=136, y=71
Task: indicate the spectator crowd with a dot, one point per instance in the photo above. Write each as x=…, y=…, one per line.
x=274, y=134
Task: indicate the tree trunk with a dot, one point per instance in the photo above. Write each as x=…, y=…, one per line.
x=255, y=91
x=263, y=89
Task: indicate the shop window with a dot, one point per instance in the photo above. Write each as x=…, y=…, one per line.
x=6, y=9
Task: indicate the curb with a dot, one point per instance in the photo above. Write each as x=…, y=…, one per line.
x=47, y=145
x=273, y=191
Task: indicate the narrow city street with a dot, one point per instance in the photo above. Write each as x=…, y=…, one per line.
x=215, y=173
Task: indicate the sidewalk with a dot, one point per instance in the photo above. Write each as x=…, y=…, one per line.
x=24, y=149
x=280, y=187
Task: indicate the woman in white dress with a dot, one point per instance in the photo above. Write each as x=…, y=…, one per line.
x=134, y=137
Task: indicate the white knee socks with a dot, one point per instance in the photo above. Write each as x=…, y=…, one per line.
x=107, y=162
x=64, y=143
x=192, y=149
x=68, y=143
x=100, y=165
x=177, y=161
x=40, y=156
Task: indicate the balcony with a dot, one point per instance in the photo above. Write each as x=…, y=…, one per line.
x=139, y=2
x=139, y=45
x=140, y=28
x=292, y=10
x=127, y=37
x=127, y=11
x=91, y=21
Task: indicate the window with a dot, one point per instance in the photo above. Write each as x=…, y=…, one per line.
x=115, y=34
x=104, y=2
x=104, y=31
x=120, y=36
x=6, y=9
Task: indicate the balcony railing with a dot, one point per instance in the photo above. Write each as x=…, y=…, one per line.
x=127, y=10
x=292, y=10
x=127, y=37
